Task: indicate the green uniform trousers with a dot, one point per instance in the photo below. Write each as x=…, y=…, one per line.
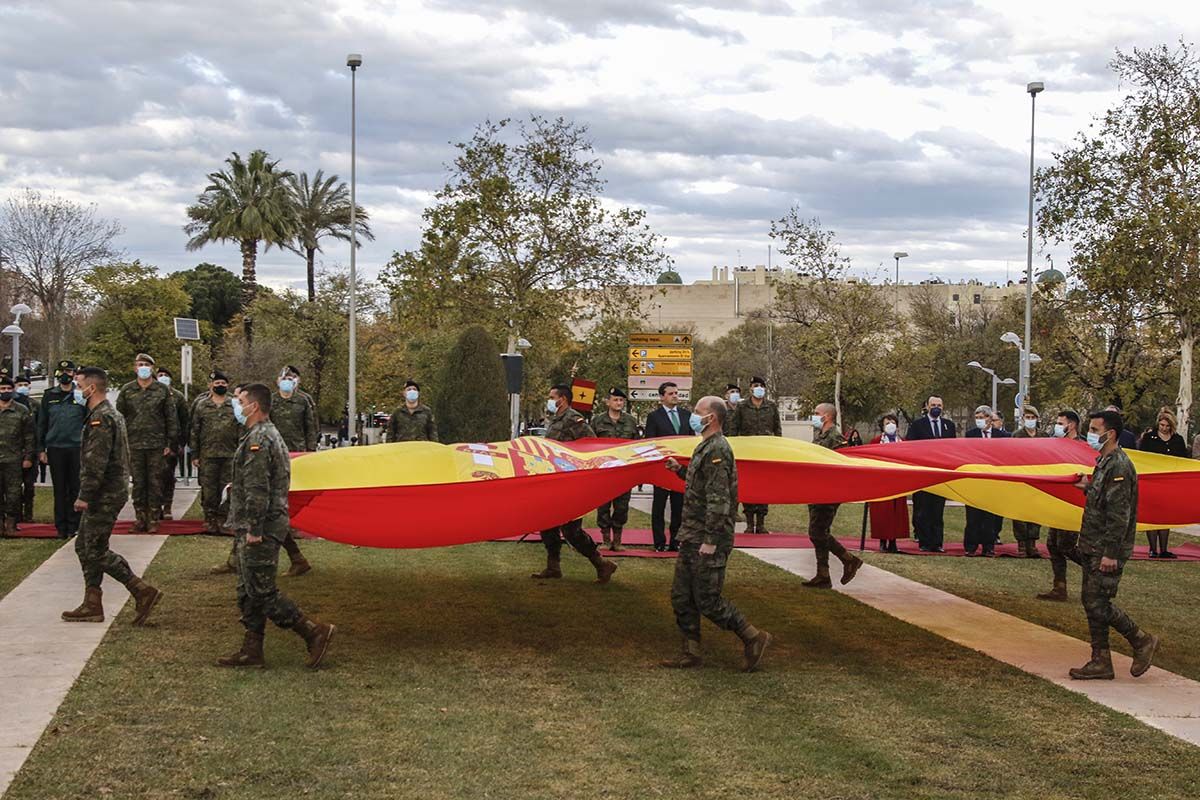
x=1099, y=589
x=820, y=533
x=696, y=591
x=215, y=475
x=146, y=466
x=573, y=533
x=259, y=599
x=614, y=513
x=12, y=487
x=1061, y=545
x=91, y=545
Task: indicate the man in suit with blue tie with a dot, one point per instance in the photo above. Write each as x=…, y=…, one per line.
x=928, y=509
x=669, y=419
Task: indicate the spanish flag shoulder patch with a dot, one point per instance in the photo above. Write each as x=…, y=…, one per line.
x=717, y=460
x=254, y=448
x=1118, y=478
x=95, y=423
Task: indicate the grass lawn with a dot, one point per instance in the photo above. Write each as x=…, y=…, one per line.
x=19, y=557
x=455, y=676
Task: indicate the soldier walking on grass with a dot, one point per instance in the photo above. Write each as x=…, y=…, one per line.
x=103, y=490
x=258, y=517
x=1106, y=537
x=153, y=429
x=706, y=541
x=614, y=423
x=820, y=517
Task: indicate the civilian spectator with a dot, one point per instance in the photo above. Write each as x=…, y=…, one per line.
x=929, y=509
x=1163, y=439
x=889, y=518
x=983, y=527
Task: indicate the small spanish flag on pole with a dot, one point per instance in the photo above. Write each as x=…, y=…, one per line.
x=583, y=395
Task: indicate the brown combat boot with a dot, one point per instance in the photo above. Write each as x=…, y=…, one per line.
x=1143, y=644
x=1057, y=595
x=850, y=567
x=553, y=569
x=688, y=658
x=316, y=636
x=760, y=526
x=139, y=525
x=1100, y=668
x=223, y=569
x=604, y=568
x=10, y=527
x=606, y=538
x=754, y=644
x=820, y=580
x=617, y=547
x=152, y=522
x=145, y=598
x=251, y=654
x=90, y=610
x=299, y=566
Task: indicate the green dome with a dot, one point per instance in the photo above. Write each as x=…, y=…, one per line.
x=670, y=276
x=1051, y=276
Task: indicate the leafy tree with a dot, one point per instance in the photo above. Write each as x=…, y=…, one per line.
x=54, y=245
x=216, y=294
x=1126, y=197
x=322, y=210
x=248, y=203
x=472, y=401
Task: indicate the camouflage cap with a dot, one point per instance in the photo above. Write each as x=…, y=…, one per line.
x=144, y=358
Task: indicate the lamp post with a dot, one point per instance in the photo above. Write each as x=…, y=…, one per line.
x=997, y=381
x=898, y=255
x=14, y=330
x=1027, y=359
x=353, y=61
x=1033, y=88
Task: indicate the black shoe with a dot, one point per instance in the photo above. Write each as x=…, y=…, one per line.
x=1154, y=554
x=660, y=548
x=673, y=547
x=989, y=553
x=1167, y=554
x=969, y=553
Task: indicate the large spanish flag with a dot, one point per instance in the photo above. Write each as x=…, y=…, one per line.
x=420, y=494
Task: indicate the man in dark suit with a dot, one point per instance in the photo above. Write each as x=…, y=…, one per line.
x=928, y=509
x=669, y=419
x=983, y=527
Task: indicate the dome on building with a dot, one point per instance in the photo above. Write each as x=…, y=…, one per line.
x=670, y=276
x=1051, y=276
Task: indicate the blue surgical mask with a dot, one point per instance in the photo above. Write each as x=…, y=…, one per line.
x=981, y=423
x=735, y=398
x=1030, y=423
x=552, y=406
x=411, y=395
x=287, y=385
x=79, y=398
x=1093, y=440
x=238, y=414
x=817, y=420
x=696, y=423
x=165, y=380
x=935, y=412
x=759, y=392
x=1059, y=431
x=144, y=373
x=23, y=391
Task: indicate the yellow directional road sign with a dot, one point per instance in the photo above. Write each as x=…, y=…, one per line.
x=663, y=368
x=660, y=339
x=660, y=353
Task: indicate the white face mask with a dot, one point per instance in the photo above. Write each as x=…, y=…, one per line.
x=144, y=372
x=411, y=395
x=165, y=380
x=981, y=423
x=817, y=420
x=735, y=398
x=759, y=392
x=1030, y=424
x=1060, y=431
x=890, y=429
x=552, y=406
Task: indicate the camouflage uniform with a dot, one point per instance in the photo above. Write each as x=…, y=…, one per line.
x=16, y=446
x=213, y=440
x=1108, y=529
x=820, y=517
x=29, y=476
x=153, y=425
x=104, y=486
x=751, y=420
x=295, y=418
x=709, y=509
x=567, y=426
x=171, y=462
x=1061, y=544
x=1027, y=533
x=416, y=425
x=613, y=515
x=258, y=505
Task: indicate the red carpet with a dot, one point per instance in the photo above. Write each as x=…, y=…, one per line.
x=640, y=540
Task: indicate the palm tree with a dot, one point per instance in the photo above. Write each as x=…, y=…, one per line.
x=322, y=209
x=247, y=203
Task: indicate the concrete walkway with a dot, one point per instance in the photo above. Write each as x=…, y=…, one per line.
x=1159, y=698
x=44, y=655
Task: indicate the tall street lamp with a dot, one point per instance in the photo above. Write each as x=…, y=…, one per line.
x=898, y=255
x=353, y=61
x=14, y=330
x=996, y=380
x=1027, y=358
x=1033, y=88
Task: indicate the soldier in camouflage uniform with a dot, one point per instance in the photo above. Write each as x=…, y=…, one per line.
x=733, y=396
x=1061, y=543
x=1106, y=538
x=258, y=516
x=29, y=474
x=294, y=415
x=413, y=420
x=565, y=424
x=614, y=423
x=1028, y=533
x=16, y=454
x=757, y=416
x=706, y=542
x=213, y=438
x=820, y=517
x=153, y=427
x=171, y=463
x=103, y=490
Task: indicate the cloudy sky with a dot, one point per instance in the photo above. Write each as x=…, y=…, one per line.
x=902, y=124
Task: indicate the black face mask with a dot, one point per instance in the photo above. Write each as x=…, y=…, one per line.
x=6, y=396
x=65, y=379
x=220, y=390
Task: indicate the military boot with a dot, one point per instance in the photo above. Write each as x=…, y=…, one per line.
x=553, y=568
x=145, y=598
x=604, y=568
x=754, y=644
x=223, y=569
x=616, y=540
x=10, y=527
x=820, y=580
x=90, y=610
x=688, y=658
x=606, y=538
x=760, y=524
x=1143, y=644
x=299, y=566
x=152, y=522
x=139, y=525
x=1100, y=668
x=316, y=636
x=850, y=567
x=1058, y=594
x=251, y=654
x=210, y=524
